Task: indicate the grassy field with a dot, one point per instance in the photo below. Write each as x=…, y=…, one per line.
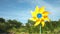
x=23, y=31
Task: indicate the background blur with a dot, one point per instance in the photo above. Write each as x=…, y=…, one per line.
x=15, y=14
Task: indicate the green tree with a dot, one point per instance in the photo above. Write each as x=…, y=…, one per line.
x=14, y=23
x=2, y=20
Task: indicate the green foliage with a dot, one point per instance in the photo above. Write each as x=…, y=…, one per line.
x=9, y=25
x=2, y=20
x=14, y=23
x=17, y=27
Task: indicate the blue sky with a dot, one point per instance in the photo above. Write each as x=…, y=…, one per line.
x=20, y=9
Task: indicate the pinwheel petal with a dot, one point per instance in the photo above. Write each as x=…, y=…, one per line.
x=37, y=23
x=45, y=13
x=43, y=23
x=33, y=19
x=42, y=9
x=47, y=19
x=36, y=9
x=33, y=14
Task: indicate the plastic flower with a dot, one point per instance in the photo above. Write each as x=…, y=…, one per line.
x=40, y=16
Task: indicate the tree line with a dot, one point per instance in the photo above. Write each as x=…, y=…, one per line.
x=14, y=25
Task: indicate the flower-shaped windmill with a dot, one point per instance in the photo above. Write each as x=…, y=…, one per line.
x=39, y=16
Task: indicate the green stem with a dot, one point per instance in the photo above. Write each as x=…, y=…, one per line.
x=40, y=29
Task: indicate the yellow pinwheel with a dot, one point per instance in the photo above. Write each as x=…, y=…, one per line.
x=40, y=16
